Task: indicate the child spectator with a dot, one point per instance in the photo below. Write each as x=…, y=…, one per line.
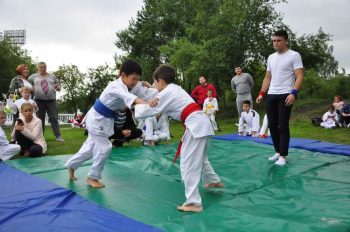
x=330, y=118
x=249, y=121
x=7, y=151
x=344, y=117
x=264, y=131
x=338, y=103
x=156, y=129
x=174, y=101
x=210, y=107
x=77, y=122
x=16, y=106
x=28, y=132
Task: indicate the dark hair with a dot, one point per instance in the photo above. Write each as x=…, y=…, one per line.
x=246, y=102
x=238, y=66
x=130, y=67
x=166, y=73
x=281, y=33
x=338, y=96
x=331, y=107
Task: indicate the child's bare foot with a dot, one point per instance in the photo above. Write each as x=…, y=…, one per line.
x=94, y=183
x=190, y=208
x=214, y=185
x=71, y=174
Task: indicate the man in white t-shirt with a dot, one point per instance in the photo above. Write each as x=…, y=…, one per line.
x=283, y=79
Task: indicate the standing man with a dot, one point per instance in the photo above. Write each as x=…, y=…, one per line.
x=282, y=82
x=45, y=87
x=242, y=84
x=199, y=94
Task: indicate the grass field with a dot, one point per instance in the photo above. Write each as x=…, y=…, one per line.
x=300, y=125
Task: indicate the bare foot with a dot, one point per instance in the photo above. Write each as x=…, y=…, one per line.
x=214, y=185
x=71, y=174
x=190, y=208
x=94, y=183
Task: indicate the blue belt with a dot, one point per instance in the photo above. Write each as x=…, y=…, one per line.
x=103, y=110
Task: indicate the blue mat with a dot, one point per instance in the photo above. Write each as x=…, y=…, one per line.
x=29, y=203
x=306, y=144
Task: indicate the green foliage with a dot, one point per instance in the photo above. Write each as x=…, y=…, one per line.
x=10, y=57
x=72, y=83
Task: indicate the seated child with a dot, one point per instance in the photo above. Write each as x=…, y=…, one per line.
x=175, y=102
x=156, y=129
x=100, y=123
x=7, y=151
x=28, y=132
x=264, y=131
x=249, y=121
x=330, y=118
x=77, y=122
x=338, y=103
x=344, y=116
x=210, y=106
x=124, y=128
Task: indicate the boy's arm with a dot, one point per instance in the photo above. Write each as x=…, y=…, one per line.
x=241, y=124
x=256, y=123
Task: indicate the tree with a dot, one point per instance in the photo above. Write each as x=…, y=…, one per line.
x=10, y=57
x=72, y=83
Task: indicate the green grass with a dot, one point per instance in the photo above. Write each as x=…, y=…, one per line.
x=301, y=127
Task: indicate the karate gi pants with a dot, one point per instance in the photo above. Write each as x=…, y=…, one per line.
x=194, y=163
x=96, y=147
x=8, y=151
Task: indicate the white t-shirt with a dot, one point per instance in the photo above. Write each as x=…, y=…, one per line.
x=282, y=68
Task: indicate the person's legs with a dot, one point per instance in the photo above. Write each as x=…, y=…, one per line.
x=239, y=104
x=101, y=151
x=41, y=112
x=84, y=154
x=148, y=130
x=52, y=112
x=272, y=117
x=283, y=124
x=135, y=133
x=24, y=142
x=191, y=164
x=8, y=151
x=209, y=177
x=213, y=122
x=35, y=151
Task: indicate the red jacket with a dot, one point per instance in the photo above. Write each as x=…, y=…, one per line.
x=199, y=94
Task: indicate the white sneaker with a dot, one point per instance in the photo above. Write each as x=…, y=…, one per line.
x=59, y=139
x=281, y=161
x=274, y=157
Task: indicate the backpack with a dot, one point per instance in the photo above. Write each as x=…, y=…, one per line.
x=316, y=121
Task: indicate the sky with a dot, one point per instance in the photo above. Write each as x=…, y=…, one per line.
x=82, y=32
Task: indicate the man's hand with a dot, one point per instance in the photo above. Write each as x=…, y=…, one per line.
x=290, y=100
x=258, y=99
x=57, y=87
x=154, y=102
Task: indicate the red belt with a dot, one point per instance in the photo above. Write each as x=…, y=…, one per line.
x=189, y=109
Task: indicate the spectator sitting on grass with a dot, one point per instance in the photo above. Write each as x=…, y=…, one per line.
x=330, y=119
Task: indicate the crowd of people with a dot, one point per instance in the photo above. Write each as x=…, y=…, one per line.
x=337, y=116
x=112, y=119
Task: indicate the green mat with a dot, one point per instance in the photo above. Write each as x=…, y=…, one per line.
x=311, y=193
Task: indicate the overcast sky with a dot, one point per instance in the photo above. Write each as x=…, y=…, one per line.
x=82, y=32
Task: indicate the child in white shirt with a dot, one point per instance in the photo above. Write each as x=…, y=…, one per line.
x=210, y=106
x=249, y=121
x=156, y=129
x=7, y=151
x=25, y=93
x=330, y=118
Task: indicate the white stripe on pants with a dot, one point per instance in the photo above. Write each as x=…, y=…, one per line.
x=96, y=147
x=193, y=163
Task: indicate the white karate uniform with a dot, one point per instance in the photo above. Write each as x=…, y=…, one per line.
x=156, y=130
x=251, y=121
x=265, y=126
x=98, y=146
x=7, y=151
x=329, y=122
x=209, y=108
x=193, y=159
x=16, y=106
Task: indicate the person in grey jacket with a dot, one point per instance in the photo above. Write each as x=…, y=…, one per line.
x=242, y=84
